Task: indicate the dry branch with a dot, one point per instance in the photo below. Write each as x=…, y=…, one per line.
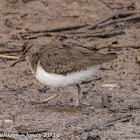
x=34, y=36
x=58, y=29
x=8, y=57
x=21, y=89
x=118, y=46
x=128, y=6
x=100, y=35
x=75, y=120
x=104, y=34
x=10, y=51
x=38, y=33
x=106, y=4
x=82, y=35
x=46, y=100
x=118, y=15
x=106, y=123
x=127, y=19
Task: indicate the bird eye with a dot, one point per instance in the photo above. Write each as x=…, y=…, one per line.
x=33, y=54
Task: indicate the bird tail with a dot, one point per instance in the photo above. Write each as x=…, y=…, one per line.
x=102, y=58
x=108, y=57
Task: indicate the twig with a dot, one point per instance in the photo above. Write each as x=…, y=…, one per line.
x=101, y=35
x=132, y=18
x=58, y=29
x=13, y=90
x=122, y=14
x=137, y=133
x=8, y=57
x=34, y=36
x=46, y=100
x=127, y=46
x=83, y=35
x=123, y=109
x=107, y=4
x=10, y=13
x=118, y=46
x=75, y=120
x=128, y=6
x=39, y=33
x=106, y=34
x=105, y=123
x=10, y=51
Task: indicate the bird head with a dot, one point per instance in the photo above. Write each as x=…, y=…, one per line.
x=25, y=50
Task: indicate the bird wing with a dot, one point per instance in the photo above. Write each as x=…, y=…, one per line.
x=65, y=59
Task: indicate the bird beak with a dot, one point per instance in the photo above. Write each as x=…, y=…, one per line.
x=22, y=58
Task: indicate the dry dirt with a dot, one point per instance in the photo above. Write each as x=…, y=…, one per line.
x=119, y=79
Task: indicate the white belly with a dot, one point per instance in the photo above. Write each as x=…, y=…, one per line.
x=58, y=80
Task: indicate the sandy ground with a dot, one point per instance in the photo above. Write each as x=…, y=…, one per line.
x=119, y=79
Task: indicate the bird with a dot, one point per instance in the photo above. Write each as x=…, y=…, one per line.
x=60, y=65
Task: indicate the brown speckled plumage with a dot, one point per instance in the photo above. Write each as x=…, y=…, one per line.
x=64, y=58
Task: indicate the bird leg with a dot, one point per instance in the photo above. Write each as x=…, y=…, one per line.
x=59, y=94
x=77, y=95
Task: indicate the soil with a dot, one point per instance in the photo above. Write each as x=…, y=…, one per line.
x=110, y=102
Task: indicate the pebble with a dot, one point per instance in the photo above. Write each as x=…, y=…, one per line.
x=138, y=59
